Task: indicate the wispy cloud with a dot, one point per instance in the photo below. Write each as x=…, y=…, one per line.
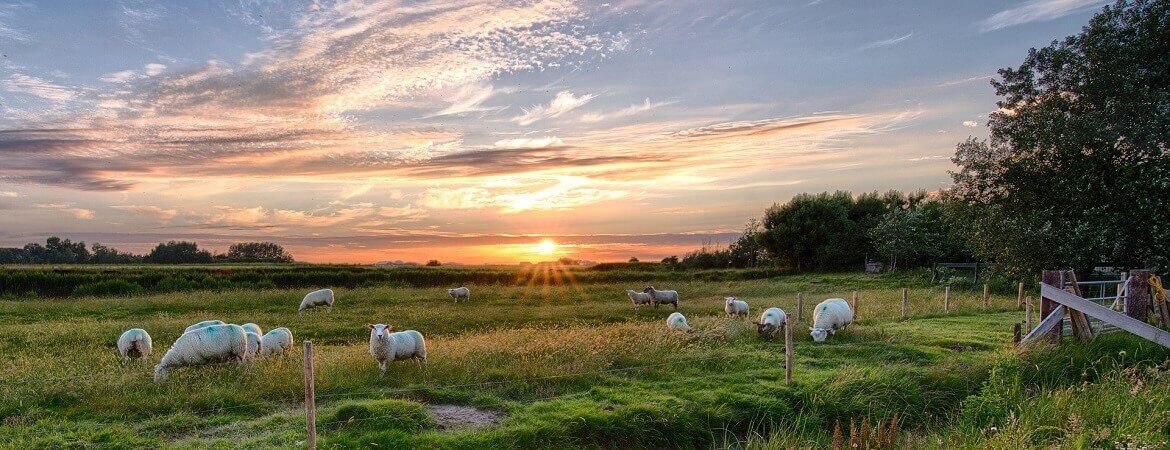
x=1037, y=11
x=156, y=212
x=40, y=87
x=888, y=42
x=296, y=100
x=77, y=213
x=562, y=103
x=628, y=111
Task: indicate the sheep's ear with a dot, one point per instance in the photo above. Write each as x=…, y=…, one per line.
x=370, y=325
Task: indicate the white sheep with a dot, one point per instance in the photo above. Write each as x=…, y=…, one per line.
x=662, y=297
x=253, y=344
x=638, y=298
x=771, y=322
x=203, y=324
x=387, y=347
x=134, y=343
x=278, y=341
x=251, y=327
x=207, y=345
x=677, y=321
x=733, y=306
x=320, y=297
x=828, y=316
x=461, y=292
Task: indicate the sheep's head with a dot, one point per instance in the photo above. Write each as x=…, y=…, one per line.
x=648, y=289
x=379, y=330
x=763, y=328
x=729, y=300
x=819, y=334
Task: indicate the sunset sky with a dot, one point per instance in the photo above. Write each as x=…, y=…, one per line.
x=471, y=130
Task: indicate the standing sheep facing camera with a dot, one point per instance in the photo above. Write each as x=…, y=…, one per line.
x=134, y=343
x=203, y=324
x=387, y=347
x=771, y=323
x=733, y=306
x=207, y=345
x=828, y=316
x=677, y=321
x=638, y=298
x=278, y=341
x=458, y=293
x=658, y=297
x=320, y=297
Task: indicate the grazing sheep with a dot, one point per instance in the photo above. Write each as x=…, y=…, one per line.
x=662, y=297
x=387, y=347
x=460, y=293
x=735, y=307
x=677, y=321
x=252, y=328
x=207, y=345
x=278, y=341
x=203, y=324
x=134, y=343
x=771, y=323
x=253, y=344
x=828, y=316
x=320, y=297
x=639, y=298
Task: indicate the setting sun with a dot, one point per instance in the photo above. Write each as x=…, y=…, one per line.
x=546, y=247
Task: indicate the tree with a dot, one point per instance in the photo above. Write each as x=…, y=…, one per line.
x=813, y=232
x=434, y=263
x=633, y=259
x=107, y=255
x=258, y=252
x=1077, y=170
x=176, y=252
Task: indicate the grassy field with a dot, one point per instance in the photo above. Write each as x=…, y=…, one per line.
x=574, y=364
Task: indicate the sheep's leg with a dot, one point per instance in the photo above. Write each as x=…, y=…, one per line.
x=382, y=368
x=675, y=305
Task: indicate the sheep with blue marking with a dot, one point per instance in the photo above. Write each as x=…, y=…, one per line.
x=771, y=323
x=133, y=344
x=203, y=324
x=829, y=316
x=677, y=321
x=460, y=293
x=210, y=344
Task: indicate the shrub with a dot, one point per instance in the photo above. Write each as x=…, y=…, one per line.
x=107, y=288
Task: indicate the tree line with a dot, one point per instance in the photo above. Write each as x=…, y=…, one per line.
x=64, y=251
x=1075, y=173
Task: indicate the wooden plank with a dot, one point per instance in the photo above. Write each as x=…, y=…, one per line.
x=1109, y=316
x=1080, y=325
x=1046, y=326
x=1051, y=278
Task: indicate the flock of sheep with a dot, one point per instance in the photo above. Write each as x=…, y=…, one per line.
x=213, y=341
x=828, y=316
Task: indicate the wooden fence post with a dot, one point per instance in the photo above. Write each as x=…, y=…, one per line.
x=1028, y=313
x=800, y=307
x=855, y=319
x=986, y=296
x=1079, y=322
x=1020, y=296
x=1052, y=278
x=905, y=300
x=788, y=349
x=1016, y=336
x=310, y=398
x=947, y=300
x=1137, y=295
